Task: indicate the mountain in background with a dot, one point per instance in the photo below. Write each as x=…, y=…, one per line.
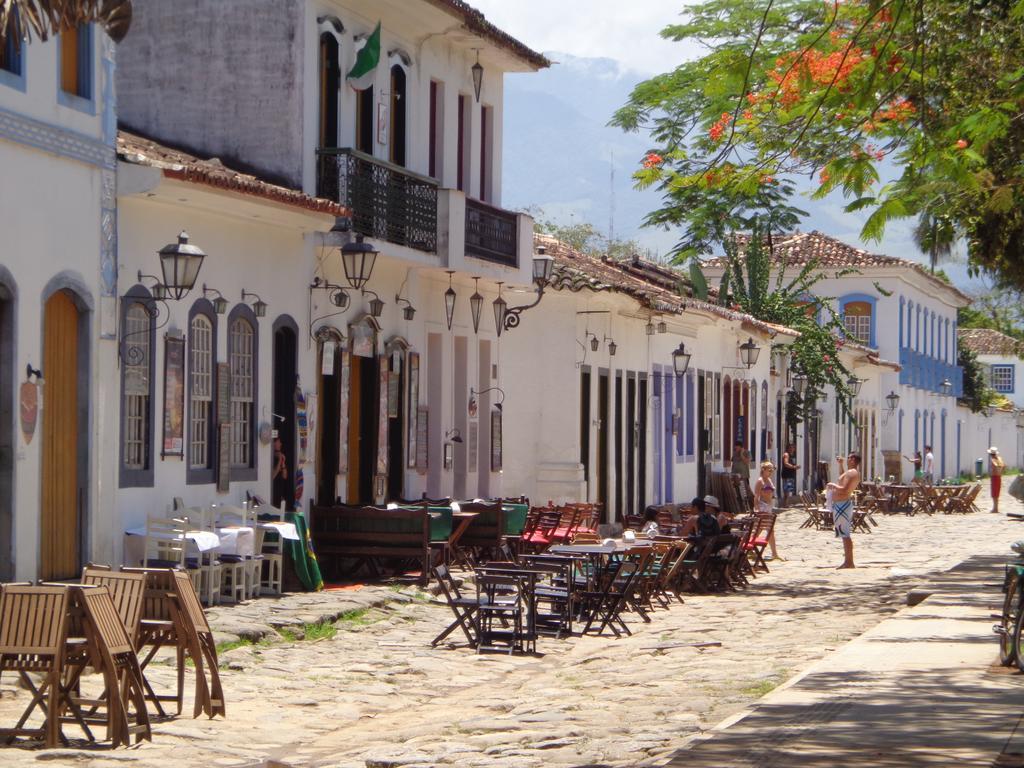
x=560, y=155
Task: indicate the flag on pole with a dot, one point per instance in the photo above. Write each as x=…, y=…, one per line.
x=360, y=77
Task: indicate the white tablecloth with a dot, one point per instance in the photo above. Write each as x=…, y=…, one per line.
x=231, y=540
x=285, y=530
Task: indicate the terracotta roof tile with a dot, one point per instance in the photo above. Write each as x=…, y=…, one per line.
x=476, y=22
x=180, y=165
x=985, y=341
x=575, y=271
x=800, y=248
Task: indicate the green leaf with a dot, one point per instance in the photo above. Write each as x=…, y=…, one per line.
x=700, y=283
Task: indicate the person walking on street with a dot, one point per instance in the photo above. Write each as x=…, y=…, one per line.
x=789, y=468
x=929, y=465
x=996, y=467
x=842, y=504
x=764, y=496
x=916, y=461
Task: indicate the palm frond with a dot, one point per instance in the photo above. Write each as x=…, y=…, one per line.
x=44, y=18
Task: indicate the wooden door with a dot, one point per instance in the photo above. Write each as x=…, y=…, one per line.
x=61, y=486
x=355, y=405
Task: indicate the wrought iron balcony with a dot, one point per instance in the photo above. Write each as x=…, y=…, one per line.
x=491, y=233
x=387, y=201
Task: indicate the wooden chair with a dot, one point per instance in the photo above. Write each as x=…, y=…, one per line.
x=500, y=612
x=119, y=666
x=236, y=573
x=33, y=627
x=272, y=574
x=166, y=546
x=127, y=591
x=463, y=607
x=754, y=544
x=604, y=606
x=209, y=699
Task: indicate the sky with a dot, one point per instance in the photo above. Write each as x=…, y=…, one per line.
x=624, y=31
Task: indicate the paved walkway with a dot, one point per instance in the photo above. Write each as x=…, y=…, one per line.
x=376, y=694
x=919, y=689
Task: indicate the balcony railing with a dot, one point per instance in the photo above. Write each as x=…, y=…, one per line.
x=387, y=201
x=491, y=233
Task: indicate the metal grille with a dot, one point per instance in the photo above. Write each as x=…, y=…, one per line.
x=200, y=392
x=388, y=202
x=491, y=233
x=240, y=359
x=136, y=386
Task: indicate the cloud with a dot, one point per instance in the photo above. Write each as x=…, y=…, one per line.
x=626, y=32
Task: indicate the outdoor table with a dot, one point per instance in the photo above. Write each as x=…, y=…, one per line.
x=901, y=498
x=230, y=540
x=463, y=520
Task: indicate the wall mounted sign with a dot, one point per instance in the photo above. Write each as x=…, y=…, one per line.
x=224, y=458
x=394, y=393
x=414, y=401
x=496, y=457
x=474, y=439
x=327, y=359
x=362, y=336
x=28, y=400
x=422, y=424
x=174, y=396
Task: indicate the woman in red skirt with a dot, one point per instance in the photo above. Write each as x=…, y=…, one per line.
x=996, y=465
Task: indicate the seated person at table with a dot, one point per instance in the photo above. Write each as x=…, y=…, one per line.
x=650, y=526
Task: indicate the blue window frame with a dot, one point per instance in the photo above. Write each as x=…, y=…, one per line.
x=858, y=314
x=75, y=87
x=1003, y=379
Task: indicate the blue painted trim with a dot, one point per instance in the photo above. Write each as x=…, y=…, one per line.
x=872, y=300
x=15, y=52
x=917, y=333
x=86, y=73
x=56, y=140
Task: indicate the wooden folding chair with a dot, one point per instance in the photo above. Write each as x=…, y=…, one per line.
x=604, y=607
x=463, y=607
x=119, y=665
x=33, y=627
x=209, y=699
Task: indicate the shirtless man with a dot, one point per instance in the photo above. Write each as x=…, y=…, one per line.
x=842, y=504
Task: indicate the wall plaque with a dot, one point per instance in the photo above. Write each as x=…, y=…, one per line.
x=422, y=422
x=496, y=457
x=174, y=396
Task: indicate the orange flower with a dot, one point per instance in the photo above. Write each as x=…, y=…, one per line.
x=961, y=144
x=824, y=176
x=653, y=160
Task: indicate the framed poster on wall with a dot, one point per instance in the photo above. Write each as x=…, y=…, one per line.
x=414, y=401
x=422, y=423
x=174, y=396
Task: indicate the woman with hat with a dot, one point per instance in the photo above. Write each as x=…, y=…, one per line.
x=996, y=465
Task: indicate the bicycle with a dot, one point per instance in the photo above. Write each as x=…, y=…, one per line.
x=1011, y=622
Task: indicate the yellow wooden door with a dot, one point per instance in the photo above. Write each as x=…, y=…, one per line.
x=60, y=478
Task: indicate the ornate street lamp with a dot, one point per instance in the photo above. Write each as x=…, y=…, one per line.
x=476, y=305
x=376, y=304
x=408, y=311
x=612, y=346
x=180, y=263
x=358, y=258
x=892, y=401
x=680, y=359
x=662, y=327
x=854, y=384
x=800, y=383
x=749, y=352
x=543, y=266
x=449, y=301
x=947, y=387
x=472, y=407
x=649, y=328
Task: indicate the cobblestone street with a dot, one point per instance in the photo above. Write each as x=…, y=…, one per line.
x=375, y=694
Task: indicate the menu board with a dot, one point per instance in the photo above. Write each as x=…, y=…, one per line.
x=422, y=420
x=496, y=458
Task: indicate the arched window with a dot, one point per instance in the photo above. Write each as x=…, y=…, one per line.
x=859, y=318
x=399, y=106
x=242, y=364
x=202, y=349
x=137, y=344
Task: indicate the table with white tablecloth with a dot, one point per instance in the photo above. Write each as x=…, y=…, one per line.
x=231, y=540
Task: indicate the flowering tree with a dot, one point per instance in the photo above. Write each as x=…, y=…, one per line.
x=829, y=90
x=22, y=18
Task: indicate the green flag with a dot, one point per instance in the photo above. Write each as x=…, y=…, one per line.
x=360, y=77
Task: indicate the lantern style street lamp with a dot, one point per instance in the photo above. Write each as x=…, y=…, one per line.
x=500, y=312
x=449, y=301
x=259, y=307
x=749, y=352
x=543, y=266
x=800, y=383
x=612, y=346
x=476, y=305
x=854, y=385
x=376, y=304
x=892, y=400
x=947, y=386
x=220, y=304
x=358, y=258
x=680, y=359
x=180, y=263
x=478, y=76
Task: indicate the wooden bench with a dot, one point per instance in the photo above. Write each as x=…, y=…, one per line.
x=371, y=534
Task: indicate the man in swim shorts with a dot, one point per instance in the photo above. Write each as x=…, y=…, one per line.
x=842, y=504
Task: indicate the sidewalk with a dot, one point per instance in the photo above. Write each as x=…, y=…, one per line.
x=922, y=688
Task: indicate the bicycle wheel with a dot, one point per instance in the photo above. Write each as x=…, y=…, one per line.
x=1008, y=623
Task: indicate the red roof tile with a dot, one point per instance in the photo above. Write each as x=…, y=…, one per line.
x=176, y=164
x=801, y=248
x=985, y=341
